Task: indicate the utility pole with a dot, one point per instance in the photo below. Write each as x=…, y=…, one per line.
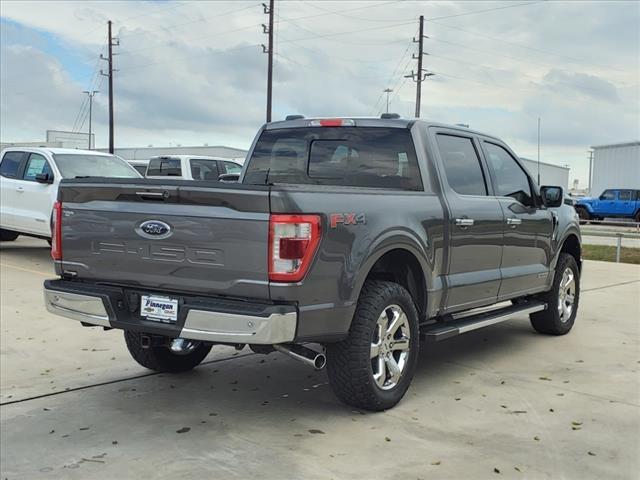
x=91, y=94
x=387, y=91
x=538, y=151
x=269, y=30
x=422, y=73
x=111, y=42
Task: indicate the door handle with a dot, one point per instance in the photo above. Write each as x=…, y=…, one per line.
x=464, y=222
x=514, y=221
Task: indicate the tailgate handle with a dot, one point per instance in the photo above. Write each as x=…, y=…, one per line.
x=154, y=195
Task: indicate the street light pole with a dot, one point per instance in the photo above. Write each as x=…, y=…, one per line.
x=91, y=94
x=387, y=91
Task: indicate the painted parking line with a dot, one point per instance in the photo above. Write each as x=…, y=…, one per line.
x=37, y=272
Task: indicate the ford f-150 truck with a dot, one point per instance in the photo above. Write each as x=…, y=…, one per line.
x=622, y=203
x=345, y=241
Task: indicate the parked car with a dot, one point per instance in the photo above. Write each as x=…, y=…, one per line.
x=613, y=203
x=360, y=236
x=192, y=167
x=29, y=179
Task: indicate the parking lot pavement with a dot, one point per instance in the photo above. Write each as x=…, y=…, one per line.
x=502, y=399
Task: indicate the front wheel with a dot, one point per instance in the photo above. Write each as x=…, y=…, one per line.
x=562, y=300
x=8, y=235
x=160, y=358
x=583, y=215
x=373, y=367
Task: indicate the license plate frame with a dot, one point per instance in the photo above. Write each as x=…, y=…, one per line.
x=159, y=308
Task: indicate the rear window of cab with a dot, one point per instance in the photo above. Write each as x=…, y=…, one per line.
x=375, y=157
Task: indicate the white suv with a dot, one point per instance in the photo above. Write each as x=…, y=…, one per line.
x=29, y=179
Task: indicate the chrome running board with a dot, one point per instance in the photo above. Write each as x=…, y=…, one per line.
x=451, y=328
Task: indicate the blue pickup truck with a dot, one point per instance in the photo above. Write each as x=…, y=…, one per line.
x=623, y=203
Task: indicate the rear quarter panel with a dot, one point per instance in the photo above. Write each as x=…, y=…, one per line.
x=387, y=220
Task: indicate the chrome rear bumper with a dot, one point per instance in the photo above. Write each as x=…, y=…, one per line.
x=204, y=325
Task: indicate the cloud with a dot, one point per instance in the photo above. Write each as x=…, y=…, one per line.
x=194, y=72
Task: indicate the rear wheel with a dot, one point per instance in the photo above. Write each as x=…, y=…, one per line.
x=373, y=367
x=562, y=299
x=161, y=359
x=8, y=235
x=583, y=214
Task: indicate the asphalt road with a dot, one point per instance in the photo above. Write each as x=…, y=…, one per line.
x=502, y=402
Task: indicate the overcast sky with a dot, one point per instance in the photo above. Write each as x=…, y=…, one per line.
x=193, y=72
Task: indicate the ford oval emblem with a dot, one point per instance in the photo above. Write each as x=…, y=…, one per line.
x=154, y=229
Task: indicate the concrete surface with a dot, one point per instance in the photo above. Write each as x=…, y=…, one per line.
x=503, y=398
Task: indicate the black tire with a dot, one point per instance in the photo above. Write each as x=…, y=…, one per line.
x=160, y=358
x=583, y=214
x=552, y=321
x=349, y=364
x=637, y=217
x=8, y=235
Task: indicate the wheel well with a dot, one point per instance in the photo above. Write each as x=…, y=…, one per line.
x=571, y=246
x=402, y=267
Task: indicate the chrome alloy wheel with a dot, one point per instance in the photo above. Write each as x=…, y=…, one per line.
x=566, y=295
x=390, y=347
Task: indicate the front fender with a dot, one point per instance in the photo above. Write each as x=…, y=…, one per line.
x=587, y=206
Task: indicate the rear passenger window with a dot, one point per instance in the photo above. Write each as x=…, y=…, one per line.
x=624, y=195
x=461, y=165
x=510, y=178
x=10, y=164
x=164, y=167
x=36, y=165
x=230, y=167
x=204, y=169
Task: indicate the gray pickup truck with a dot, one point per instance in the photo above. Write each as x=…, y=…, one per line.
x=344, y=241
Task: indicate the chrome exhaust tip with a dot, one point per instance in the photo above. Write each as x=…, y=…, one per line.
x=316, y=360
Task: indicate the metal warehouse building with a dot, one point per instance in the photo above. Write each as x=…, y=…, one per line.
x=550, y=174
x=615, y=166
x=145, y=153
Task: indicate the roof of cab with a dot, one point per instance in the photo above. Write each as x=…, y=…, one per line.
x=373, y=122
x=56, y=150
x=197, y=157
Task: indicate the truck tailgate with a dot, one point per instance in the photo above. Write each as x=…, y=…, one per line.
x=163, y=235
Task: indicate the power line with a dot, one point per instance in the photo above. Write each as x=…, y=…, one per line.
x=205, y=54
x=353, y=17
x=520, y=45
x=392, y=76
x=170, y=28
x=475, y=12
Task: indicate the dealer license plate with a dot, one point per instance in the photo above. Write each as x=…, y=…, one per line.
x=162, y=309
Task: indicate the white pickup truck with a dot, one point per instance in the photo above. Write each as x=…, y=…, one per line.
x=192, y=167
x=29, y=179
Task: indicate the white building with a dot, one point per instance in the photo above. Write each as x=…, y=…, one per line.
x=615, y=166
x=145, y=153
x=550, y=174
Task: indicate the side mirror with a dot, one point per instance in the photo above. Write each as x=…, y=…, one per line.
x=44, y=178
x=229, y=177
x=551, y=196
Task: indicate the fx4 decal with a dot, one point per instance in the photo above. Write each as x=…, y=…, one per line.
x=336, y=219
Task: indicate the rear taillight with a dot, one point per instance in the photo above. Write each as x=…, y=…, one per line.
x=293, y=241
x=56, y=231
